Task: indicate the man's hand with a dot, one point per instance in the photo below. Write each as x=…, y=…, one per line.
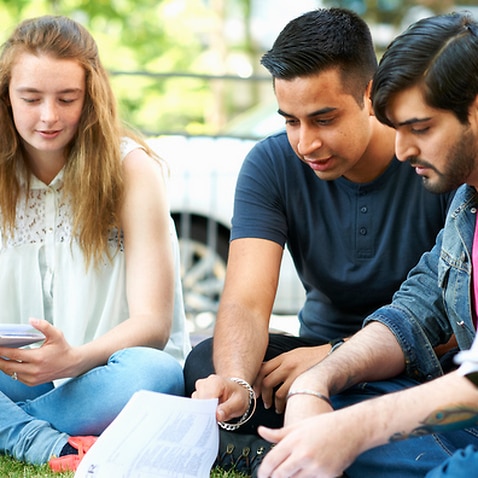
x=233, y=398
x=282, y=370
x=318, y=447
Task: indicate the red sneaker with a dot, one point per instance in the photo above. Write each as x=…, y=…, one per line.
x=71, y=462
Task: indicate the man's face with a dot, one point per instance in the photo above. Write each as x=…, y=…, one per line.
x=325, y=125
x=440, y=148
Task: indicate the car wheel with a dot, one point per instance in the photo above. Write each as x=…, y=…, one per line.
x=203, y=246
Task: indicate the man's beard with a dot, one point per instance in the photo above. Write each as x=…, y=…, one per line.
x=460, y=165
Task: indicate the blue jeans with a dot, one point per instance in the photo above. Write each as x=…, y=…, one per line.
x=462, y=464
x=35, y=422
x=412, y=458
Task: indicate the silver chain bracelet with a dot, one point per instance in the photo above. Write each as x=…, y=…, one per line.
x=250, y=409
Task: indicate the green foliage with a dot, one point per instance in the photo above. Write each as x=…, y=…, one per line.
x=181, y=46
x=394, y=11
x=158, y=38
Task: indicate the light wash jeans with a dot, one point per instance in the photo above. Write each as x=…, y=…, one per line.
x=412, y=458
x=35, y=422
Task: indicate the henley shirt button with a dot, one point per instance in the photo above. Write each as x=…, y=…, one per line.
x=363, y=209
x=363, y=231
x=473, y=210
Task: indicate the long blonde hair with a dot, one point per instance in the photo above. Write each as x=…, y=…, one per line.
x=93, y=177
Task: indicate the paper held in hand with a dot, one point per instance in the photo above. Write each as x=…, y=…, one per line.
x=155, y=436
x=19, y=335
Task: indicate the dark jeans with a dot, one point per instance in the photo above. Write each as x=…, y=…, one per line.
x=440, y=455
x=412, y=458
x=199, y=365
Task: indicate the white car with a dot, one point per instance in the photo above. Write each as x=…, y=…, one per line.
x=203, y=173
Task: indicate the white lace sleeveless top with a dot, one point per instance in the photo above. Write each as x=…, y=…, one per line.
x=43, y=275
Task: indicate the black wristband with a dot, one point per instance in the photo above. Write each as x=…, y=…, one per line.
x=335, y=344
x=473, y=378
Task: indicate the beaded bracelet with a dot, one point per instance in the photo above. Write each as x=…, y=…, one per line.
x=250, y=410
x=313, y=393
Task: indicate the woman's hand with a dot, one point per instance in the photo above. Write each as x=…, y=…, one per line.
x=53, y=360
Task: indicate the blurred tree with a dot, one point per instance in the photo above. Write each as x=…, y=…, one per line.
x=161, y=55
x=396, y=11
x=191, y=65
x=387, y=18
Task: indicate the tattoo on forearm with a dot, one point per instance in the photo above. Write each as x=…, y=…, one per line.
x=442, y=421
x=350, y=381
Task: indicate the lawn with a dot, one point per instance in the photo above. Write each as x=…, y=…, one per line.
x=10, y=468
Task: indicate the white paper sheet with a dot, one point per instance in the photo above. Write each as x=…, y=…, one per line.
x=156, y=436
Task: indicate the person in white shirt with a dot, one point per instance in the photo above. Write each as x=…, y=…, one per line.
x=88, y=250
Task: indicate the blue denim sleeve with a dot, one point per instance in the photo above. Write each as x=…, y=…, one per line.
x=417, y=317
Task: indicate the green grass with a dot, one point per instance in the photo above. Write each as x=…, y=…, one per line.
x=10, y=468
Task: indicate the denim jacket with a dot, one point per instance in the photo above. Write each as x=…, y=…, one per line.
x=435, y=300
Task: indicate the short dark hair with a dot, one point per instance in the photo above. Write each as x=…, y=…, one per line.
x=321, y=40
x=440, y=54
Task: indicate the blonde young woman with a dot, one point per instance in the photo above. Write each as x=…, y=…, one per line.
x=88, y=253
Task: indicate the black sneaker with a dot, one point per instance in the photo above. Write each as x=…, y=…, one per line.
x=241, y=453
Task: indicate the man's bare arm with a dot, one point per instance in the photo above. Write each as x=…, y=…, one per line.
x=242, y=324
x=371, y=354
x=311, y=446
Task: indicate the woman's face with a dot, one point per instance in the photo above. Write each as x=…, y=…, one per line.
x=46, y=96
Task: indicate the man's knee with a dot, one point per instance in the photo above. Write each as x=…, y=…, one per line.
x=198, y=365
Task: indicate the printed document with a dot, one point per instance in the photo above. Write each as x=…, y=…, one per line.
x=155, y=436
